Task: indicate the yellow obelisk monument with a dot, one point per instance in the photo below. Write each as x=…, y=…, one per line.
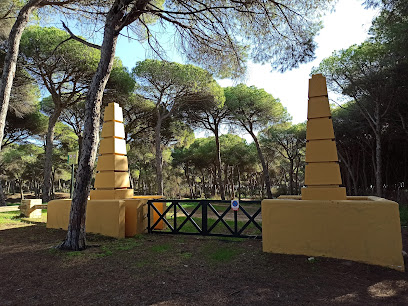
x=323, y=221
x=112, y=177
x=322, y=172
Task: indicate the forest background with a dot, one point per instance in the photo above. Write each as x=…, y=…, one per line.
x=165, y=102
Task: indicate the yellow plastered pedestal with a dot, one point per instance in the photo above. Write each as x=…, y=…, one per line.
x=114, y=218
x=112, y=162
x=318, y=107
x=112, y=145
x=322, y=174
x=113, y=129
x=111, y=180
x=364, y=229
x=28, y=210
x=119, y=194
x=320, y=128
x=105, y=217
x=113, y=112
x=136, y=214
x=321, y=151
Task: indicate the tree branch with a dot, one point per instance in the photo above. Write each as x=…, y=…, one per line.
x=83, y=41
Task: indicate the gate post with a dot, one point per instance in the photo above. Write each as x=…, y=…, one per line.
x=149, y=230
x=235, y=223
x=204, y=219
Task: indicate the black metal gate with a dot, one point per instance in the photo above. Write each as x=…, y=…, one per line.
x=205, y=217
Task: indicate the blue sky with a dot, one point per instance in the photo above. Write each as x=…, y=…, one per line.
x=346, y=26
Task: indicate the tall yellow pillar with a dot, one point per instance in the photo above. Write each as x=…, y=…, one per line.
x=112, y=177
x=322, y=173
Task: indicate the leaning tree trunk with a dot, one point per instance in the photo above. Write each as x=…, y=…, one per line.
x=75, y=239
x=10, y=62
x=265, y=171
x=218, y=163
x=49, y=143
x=2, y=198
x=159, y=156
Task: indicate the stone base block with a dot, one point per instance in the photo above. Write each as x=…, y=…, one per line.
x=136, y=216
x=105, y=217
x=114, y=218
x=364, y=229
x=28, y=210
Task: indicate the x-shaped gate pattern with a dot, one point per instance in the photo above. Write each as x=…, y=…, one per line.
x=173, y=206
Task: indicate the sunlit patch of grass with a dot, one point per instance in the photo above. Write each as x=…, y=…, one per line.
x=74, y=254
x=161, y=248
x=186, y=255
x=221, y=254
x=105, y=252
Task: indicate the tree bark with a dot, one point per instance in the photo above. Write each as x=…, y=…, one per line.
x=239, y=184
x=10, y=62
x=218, y=162
x=378, y=172
x=265, y=171
x=2, y=198
x=291, y=176
x=76, y=239
x=21, y=189
x=49, y=143
x=159, y=156
x=350, y=172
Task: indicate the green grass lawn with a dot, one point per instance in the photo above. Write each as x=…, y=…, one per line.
x=13, y=219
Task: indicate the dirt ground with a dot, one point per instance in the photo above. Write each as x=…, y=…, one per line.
x=182, y=270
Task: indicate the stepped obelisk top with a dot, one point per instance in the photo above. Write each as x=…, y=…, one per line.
x=112, y=177
x=322, y=173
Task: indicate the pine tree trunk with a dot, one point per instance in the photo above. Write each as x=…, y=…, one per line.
x=159, y=157
x=265, y=171
x=218, y=162
x=378, y=149
x=21, y=189
x=76, y=239
x=239, y=184
x=49, y=144
x=291, y=171
x=378, y=172
x=2, y=198
x=10, y=62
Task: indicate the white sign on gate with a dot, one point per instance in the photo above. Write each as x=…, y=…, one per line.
x=235, y=205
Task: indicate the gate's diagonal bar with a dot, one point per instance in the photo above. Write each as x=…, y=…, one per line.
x=161, y=216
x=174, y=204
x=188, y=217
x=220, y=218
x=251, y=220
